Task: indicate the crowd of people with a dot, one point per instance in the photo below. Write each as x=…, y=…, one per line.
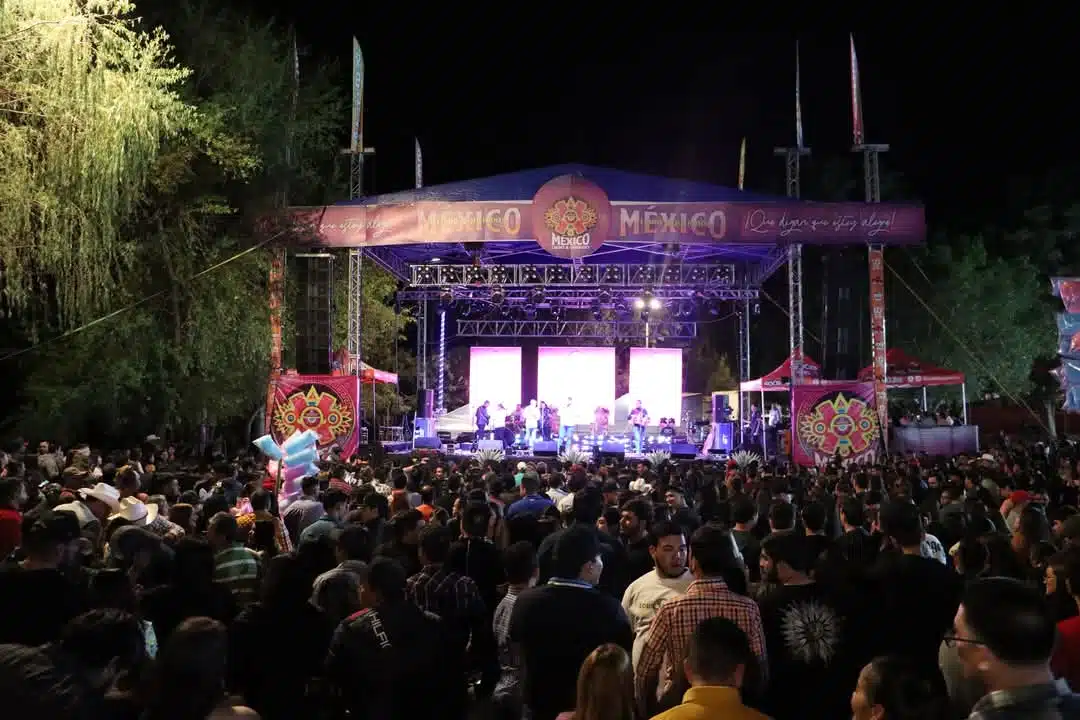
x=136, y=585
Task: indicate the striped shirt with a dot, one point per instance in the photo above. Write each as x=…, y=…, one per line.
x=237, y=568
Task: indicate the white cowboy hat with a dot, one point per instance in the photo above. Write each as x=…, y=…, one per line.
x=136, y=511
x=105, y=493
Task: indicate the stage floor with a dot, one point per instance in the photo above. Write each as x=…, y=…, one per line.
x=395, y=451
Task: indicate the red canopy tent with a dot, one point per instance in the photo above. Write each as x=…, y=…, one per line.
x=905, y=371
x=779, y=380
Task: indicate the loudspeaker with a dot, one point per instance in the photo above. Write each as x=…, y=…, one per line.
x=424, y=427
x=723, y=437
x=489, y=445
x=545, y=448
x=611, y=449
x=683, y=451
x=425, y=404
x=720, y=410
x=426, y=443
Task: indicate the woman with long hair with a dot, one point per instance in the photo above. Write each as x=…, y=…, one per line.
x=605, y=686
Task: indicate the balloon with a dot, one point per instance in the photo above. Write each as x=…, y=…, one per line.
x=295, y=473
x=300, y=441
x=301, y=459
x=268, y=447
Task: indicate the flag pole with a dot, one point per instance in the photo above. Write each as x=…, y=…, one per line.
x=875, y=251
x=793, y=175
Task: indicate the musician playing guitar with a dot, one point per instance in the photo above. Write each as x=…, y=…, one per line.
x=639, y=420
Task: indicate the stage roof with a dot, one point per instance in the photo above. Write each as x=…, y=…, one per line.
x=521, y=217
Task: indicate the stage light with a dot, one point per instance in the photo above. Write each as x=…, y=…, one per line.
x=654, y=303
x=451, y=274
x=499, y=274
x=557, y=274
x=498, y=296
x=440, y=387
x=639, y=303
x=756, y=308
x=425, y=275
x=474, y=275
x=536, y=295
x=446, y=299
x=604, y=297
x=436, y=260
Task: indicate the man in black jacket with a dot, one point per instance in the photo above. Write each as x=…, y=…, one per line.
x=378, y=655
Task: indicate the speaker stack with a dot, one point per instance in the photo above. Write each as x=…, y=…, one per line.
x=424, y=426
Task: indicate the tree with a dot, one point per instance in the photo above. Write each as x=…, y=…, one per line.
x=87, y=100
x=991, y=318
x=707, y=369
x=193, y=344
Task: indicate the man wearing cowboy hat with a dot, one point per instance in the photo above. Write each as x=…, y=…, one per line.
x=93, y=508
x=147, y=515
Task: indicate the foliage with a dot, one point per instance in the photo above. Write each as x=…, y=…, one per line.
x=574, y=457
x=494, y=455
x=991, y=318
x=707, y=369
x=193, y=344
x=657, y=458
x=86, y=100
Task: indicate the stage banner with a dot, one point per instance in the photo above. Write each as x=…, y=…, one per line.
x=834, y=420
x=878, y=347
x=1068, y=289
x=326, y=404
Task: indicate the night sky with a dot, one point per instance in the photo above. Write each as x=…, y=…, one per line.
x=966, y=108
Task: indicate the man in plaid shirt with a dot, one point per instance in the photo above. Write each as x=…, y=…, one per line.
x=708, y=596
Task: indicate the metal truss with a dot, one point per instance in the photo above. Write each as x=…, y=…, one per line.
x=572, y=298
x=599, y=275
x=793, y=175
x=612, y=330
x=744, y=361
x=356, y=296
x=386, y=259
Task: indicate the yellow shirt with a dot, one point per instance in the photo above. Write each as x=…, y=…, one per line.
x=711, y=701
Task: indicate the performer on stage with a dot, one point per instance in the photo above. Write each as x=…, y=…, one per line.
x=545, y=420
x=566, y=423
x=482, y=420
x=531, y=415
x=756, y=425
x=639, y=420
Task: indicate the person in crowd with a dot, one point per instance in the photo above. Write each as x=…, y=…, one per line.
x=335, y=504
x=72, y=676
x=377, y=654
x=711, y=557
x=191, y=591
x=1066, y=659
x=532, y=501
x=454, y=598
x=190, y=676
x=1005, y=634
x=236, y=567
x=718, y=662
x=259, y=502
x=634, y=523
x=669, y=579
x=304, y=510
x=895, y=688
x=519, y=561
x=404, y=545
x=805, y=632
x=38, y=597
x=557, y=625
x=605, y=686
x=12, y=498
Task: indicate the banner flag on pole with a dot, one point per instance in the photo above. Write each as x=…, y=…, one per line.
x=856, y=96
x=356, y=143
x=742, y=163
x=798, y=102
x=419, y=170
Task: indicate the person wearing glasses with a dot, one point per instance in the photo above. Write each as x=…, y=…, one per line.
x=1004, y=635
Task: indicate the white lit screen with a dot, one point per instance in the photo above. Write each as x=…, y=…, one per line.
x=586, y=374
x=656, y=380
x=495, y=375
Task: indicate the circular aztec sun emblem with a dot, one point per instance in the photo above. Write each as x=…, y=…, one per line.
x=316, y=410
x=570, y=217
x=841, y=424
